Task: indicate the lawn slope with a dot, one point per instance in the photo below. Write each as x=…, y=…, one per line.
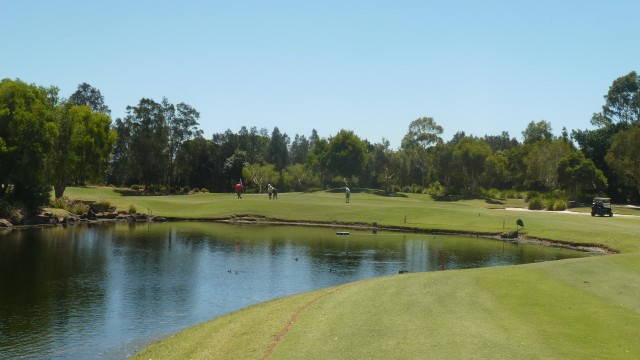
x=555, y=310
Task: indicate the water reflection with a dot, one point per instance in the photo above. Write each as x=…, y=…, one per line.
x=106, y=291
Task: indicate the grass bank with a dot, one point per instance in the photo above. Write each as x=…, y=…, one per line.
x=571, y=309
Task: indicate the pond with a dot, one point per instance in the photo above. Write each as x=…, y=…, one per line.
x=107, y=291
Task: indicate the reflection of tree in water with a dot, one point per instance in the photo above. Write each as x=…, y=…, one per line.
x=47, y=280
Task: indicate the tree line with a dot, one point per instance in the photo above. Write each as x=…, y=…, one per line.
x=48, y=142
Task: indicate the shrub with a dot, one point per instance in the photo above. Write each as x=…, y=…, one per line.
x=57, y=203
x=493, y=194
x=416, y=189
x=75, y=207
x=102, y=206
x=78, y=208
x=513, y=194
x=204, y=190
x=531, y=195
x=186, y=190
x=10, y=212
x=536, y=203
x=132, y=209
x=549, y=203
x=560, y=205
x=558, y=194
x=135, y=187
x=435, y=188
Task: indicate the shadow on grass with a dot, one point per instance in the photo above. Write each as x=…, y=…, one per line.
x=131, y=192
x=454, y=198
x=494, y=201
x=367, y=191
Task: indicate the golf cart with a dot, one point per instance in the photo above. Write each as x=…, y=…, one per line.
x=601, y=207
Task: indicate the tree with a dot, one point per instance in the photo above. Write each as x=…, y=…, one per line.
x=279, y=150
x=299, y=177
x=149, y=139
x=620, y=111
x=196, y=164
x=471, y=153
x=122, y=170
x=622, y=102
x=234, y=165
x=579, y=175
x=502, y=142
x=89, y=96
x=445, y=163
x=83, y=145
x=624, y=156
x=27, y=132
x=300, y=148
x=259, y=175
x=422, y=134
x=541, y=163
x=387, y=164
x=540, y=131
x=346, y=154
x=318, y=159
x=182, y=122
x=497, y=171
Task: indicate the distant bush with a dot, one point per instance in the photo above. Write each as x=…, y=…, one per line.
x=74, y=207
x=531, y=195
x=57, y=203
x=204, y=190
x=513, y=194
x=132, y=209
x=435, y=189
x=560, y=205
x=415, y=189
x=135, y=187
x=536, y=203
x=549, y=204
x=186, y=190
x=493, y=193
x=8, y=211
x=102, y=206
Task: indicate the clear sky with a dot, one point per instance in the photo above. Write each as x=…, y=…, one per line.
x=481, y=67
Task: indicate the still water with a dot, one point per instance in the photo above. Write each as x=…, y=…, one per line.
x=107, y=291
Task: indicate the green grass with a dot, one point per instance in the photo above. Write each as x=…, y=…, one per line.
x=569, y=309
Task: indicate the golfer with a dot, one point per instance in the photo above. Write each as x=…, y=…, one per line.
x=239, y=188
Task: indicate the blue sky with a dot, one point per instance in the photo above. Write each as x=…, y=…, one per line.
x=482, y=67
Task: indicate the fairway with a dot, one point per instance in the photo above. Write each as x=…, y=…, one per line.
x=570, y=309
